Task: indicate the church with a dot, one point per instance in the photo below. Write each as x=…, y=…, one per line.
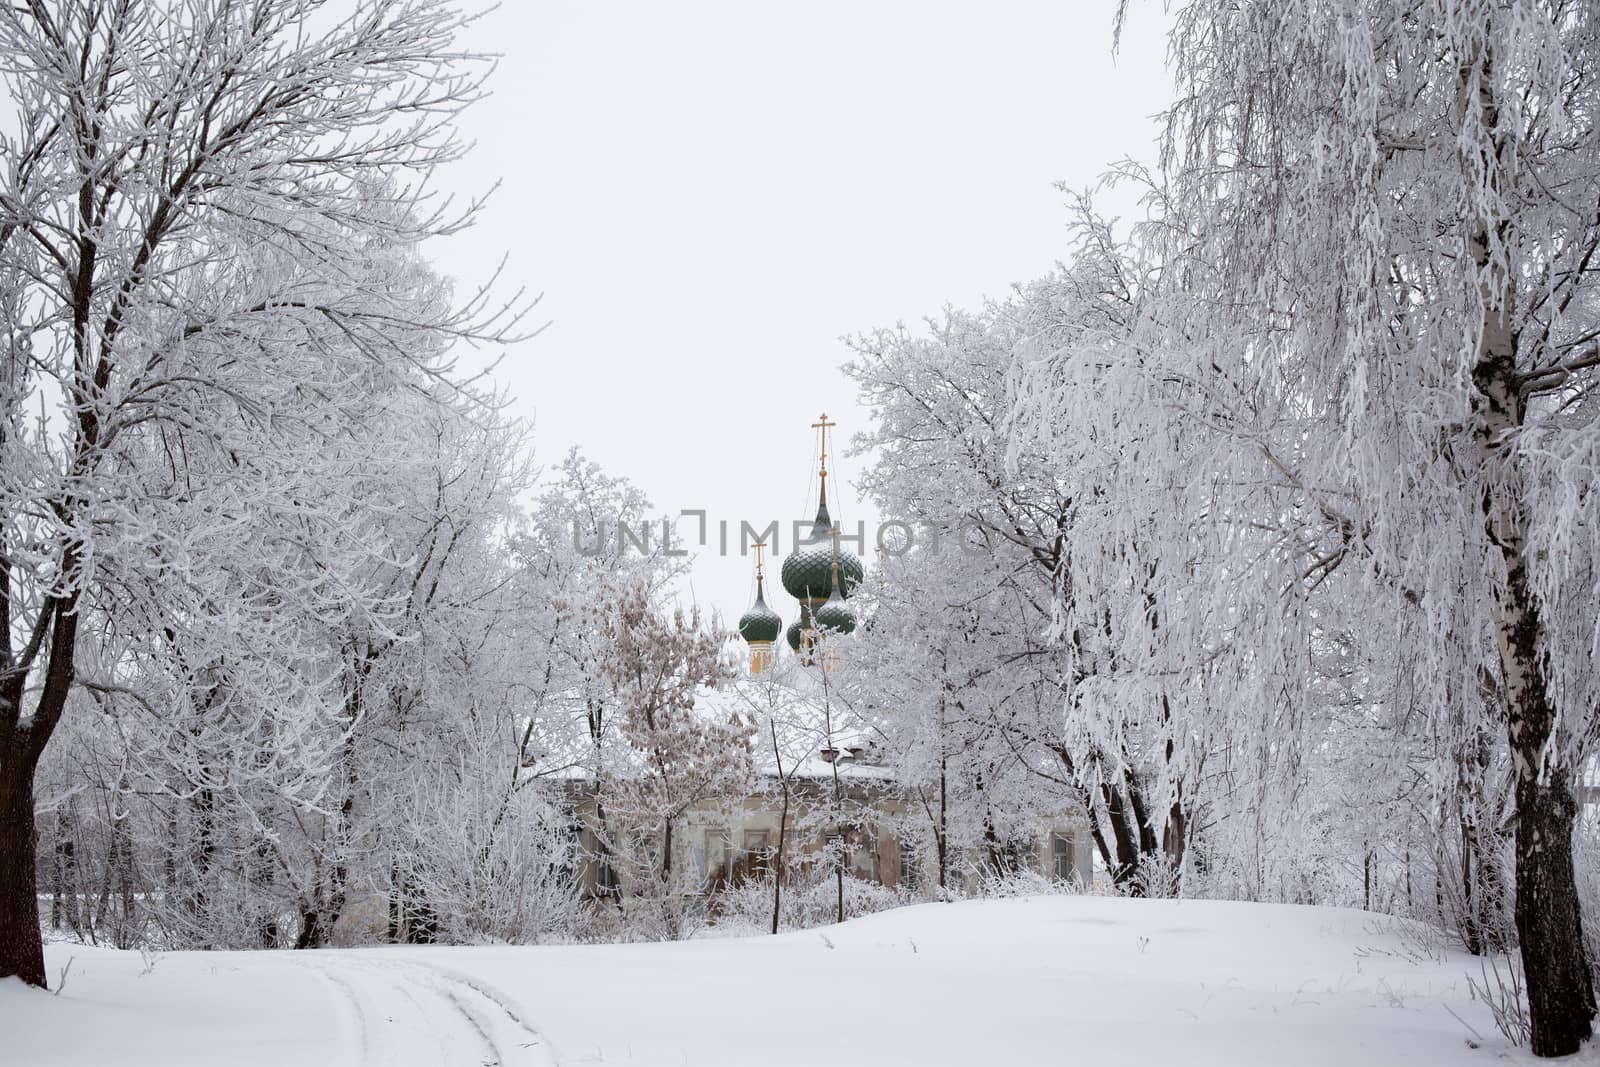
x=827, y=800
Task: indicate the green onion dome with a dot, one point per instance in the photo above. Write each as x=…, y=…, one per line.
x=836, y=616
x=808, y=570
x=760, y=623
x=795, y=630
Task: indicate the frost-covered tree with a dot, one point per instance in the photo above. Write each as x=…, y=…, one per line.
x=572, y=568
x=785, y=736
x=1030, y=578
x=941, y=680
x=677, y=752
x=1381, y=216
x=406, y=782
x=191, y=198
x=432, y=510
x=1179, y=647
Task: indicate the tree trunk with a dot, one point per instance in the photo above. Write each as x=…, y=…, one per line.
x=1366, y=878
x=941, y=838
x=21, y=951
x=1561, y=1002
x=313, y=932
x=267, y=922
x=666, y=857
x=1549, y=925
x=783, y=833
x=1175, y=835
x=1174, y=842
x=1560, y=991
x=1126, y=871
x=424, y=918
x=993, y=856
x=412, y=918
x=1471, y=929
x=21, y=948
x=397, y=923
x=320, y=914
x=337, y=882
x=318, y=922
x=62, y=859
x=1086, y=798
x=1143, y=824
x=200, y=863
x=125, y=932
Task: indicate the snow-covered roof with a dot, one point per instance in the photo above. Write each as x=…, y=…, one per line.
x=814, y=740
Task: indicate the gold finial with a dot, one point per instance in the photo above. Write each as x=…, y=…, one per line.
x=824, y=425
x=759, y=545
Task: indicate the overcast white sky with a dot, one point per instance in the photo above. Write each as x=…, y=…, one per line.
x=711, y=194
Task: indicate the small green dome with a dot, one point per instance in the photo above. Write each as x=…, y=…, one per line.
x=808, y=570
x=793, y=635
x=836, y=616
x=760, y=623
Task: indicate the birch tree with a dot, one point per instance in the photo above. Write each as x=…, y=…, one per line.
x=1382, y=215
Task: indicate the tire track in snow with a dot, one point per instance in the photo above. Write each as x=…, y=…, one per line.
x=410, y=1012
x=348, y=993
x=526, y=1035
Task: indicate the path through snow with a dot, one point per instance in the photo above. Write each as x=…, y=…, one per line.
x=1017, y=982
x=409, y=1012
x=254, y=1009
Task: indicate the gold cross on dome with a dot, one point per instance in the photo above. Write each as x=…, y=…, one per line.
x=824, y=425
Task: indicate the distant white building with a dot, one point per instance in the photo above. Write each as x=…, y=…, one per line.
x=820, y=788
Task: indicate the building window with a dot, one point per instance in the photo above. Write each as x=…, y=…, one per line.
x=756, y=856
x=716, y=861
x=1061, y=858
x=910, y=862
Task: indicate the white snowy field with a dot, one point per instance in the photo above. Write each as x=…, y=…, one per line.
x=1047, y=980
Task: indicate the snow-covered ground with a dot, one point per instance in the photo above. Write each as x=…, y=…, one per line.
x=1032, y=981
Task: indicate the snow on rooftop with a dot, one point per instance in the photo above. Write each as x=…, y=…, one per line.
x=811, y=744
